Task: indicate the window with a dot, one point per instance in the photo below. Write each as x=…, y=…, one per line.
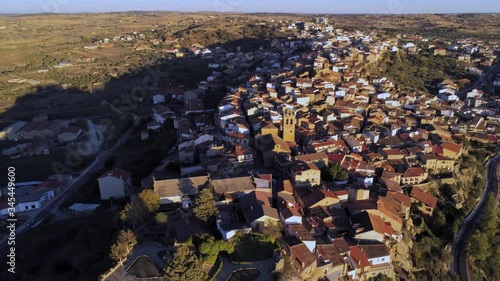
x=26, y=207
x=33, y=206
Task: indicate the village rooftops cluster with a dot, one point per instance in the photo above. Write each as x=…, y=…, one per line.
x=306, y=108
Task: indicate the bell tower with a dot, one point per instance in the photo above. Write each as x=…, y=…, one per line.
x=289, y=122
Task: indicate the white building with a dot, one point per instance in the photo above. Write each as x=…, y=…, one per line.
x=114, y=184
x=29, y=201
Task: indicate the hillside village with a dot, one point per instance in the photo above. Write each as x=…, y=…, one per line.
x=307, y=139
x=272, y=141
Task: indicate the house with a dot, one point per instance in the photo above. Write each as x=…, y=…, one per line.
x=69, y=134
x=228, y=224
x=115, y=184
x=330, y=219
x=268, y=146
x=290, y=216
x=320, y=197
x=301, y=232
x=161, y=113
x=428, y=202
x=303, y=260
x=331, y=262
x=452, y=150
x=178, y=190
x=30, y=200
x=263, y=181
x=414, y=175
x=353, y=144
x=10, y=132
x=257, y=210
x=158, y=98
x=305, y=174
x=285, y=194
x=320, y=159
x=193, y=106
x=368, y=226
x=368, y=261
x=436, y=164
x=230, y=188
x=439, y=51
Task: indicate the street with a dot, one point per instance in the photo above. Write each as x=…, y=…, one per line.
x=83, y=179
x=460, y=259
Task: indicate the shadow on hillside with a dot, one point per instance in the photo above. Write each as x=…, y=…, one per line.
x=112, y=106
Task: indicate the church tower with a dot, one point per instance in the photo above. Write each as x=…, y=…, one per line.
x=289, y=122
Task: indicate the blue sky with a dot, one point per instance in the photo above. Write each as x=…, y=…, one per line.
x=303, y=6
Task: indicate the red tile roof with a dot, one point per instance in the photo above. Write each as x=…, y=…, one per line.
x=414, y=172
x=359, y=257
x=423, y=197
x=452, y=146
x=118, y=173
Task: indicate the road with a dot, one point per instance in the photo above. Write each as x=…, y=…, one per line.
x=460, y=260
x=83, y=179
x=483, y=80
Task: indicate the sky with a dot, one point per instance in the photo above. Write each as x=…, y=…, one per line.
x=288, y=6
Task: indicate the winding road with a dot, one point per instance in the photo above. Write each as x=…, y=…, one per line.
x=84, y=178
x=460, y=263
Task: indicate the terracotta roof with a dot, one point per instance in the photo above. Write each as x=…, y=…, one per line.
x=373, y=251
x=401, y=198
x=301, y=232
x=330, y=254
x=336, y=157
x=423, y=197
x=341, y=245
x=359, y=257
x=452, y=146
x=314, y=157
x=364, y=222
x=290, y=212
x=257, y=204
x=317, y=196
x=118, y=173
x=302, y=257
x=414, y=172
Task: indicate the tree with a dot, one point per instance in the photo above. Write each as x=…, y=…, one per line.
x=161, y=219
x=211, y=248
x=127, y=238
x=124, y=244
x=118, y=253
x=184, y=266
x=271, y=231
x=204, y=204
x=150, y=200
x=478, y=245
x=334, y=172
x=133, y=213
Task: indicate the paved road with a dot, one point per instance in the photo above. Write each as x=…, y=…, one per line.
x=460, y=260
x=483, y=80
x=83, y=179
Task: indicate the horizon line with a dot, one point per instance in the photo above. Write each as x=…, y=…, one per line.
x=249, y=13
